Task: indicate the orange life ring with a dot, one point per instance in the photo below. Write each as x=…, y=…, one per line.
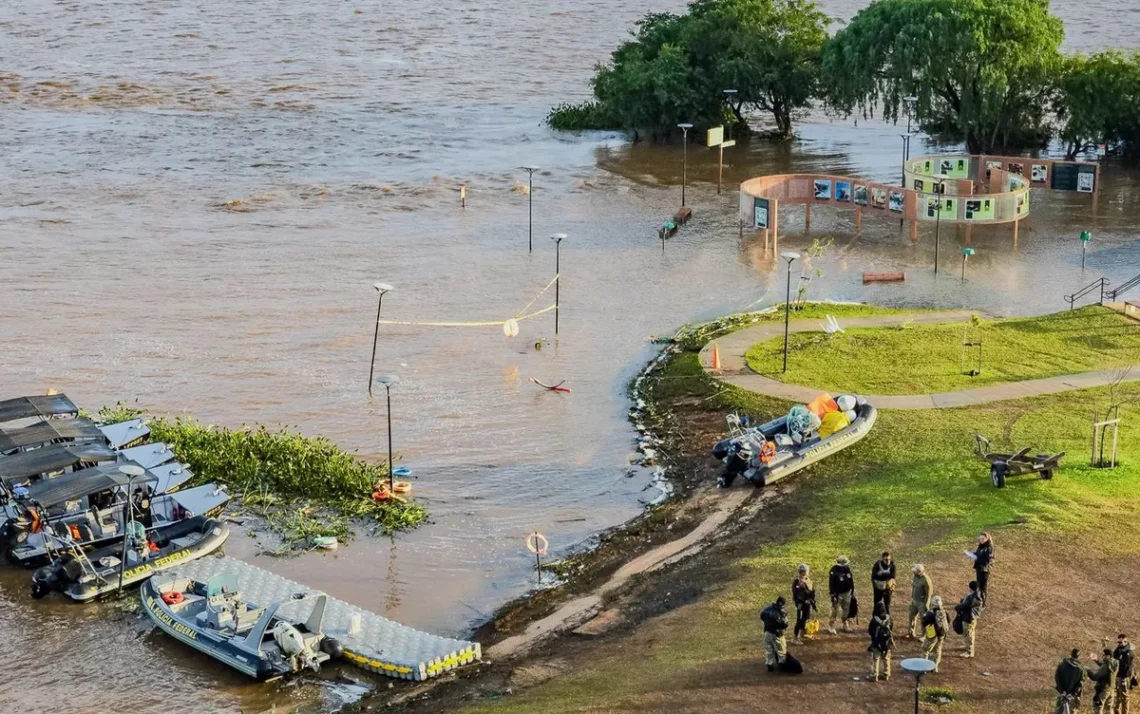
x=381, y=494
x=173, y=597
x=402, y=487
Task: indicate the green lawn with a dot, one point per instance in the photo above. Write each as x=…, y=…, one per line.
x=920, y=359
x=913, y=484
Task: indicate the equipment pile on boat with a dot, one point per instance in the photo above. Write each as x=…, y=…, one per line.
x=806, y=434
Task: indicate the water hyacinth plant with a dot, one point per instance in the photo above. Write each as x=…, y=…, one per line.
x=303, y=487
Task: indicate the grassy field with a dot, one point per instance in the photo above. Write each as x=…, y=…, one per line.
x=920, y=359
x=914, y=486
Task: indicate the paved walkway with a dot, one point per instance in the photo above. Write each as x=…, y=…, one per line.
x=735, y=371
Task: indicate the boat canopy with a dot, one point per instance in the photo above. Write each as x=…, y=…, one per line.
x=122, y=433
x=51, y=458
x=226, y=583
x=37, y=406
x=45, y=432
x=82, y=483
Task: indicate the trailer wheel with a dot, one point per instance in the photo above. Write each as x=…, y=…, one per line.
x=997, y=474
x=1047, y=474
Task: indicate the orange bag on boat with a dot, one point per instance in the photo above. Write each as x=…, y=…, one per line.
x=767, y=452
x=822, y=405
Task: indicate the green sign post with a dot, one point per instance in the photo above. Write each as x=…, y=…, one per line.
x=966, y=253
x=1085, y=238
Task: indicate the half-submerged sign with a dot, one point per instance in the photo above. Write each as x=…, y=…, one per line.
x=760, y=211
x=715, y=136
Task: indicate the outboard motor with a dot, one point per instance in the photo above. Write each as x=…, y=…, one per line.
x=332, y=647
x=289, y=639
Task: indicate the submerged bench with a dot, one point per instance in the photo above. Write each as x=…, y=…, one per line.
x=883, y=277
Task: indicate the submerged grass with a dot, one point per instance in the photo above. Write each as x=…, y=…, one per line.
x=304, y=487
x=929, y=358
x=913, y=485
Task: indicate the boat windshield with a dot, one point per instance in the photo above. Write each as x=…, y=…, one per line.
x=226, y=584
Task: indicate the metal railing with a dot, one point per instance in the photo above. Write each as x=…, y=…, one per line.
x=1122, y=288
x=1099, y=284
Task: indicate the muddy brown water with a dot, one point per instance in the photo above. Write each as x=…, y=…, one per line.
x=197, y=199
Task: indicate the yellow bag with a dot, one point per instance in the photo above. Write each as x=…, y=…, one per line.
x=831, y=423
x=811, y=628
x=931, y=633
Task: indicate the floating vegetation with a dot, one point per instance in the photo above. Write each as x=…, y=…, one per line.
x=302, y=487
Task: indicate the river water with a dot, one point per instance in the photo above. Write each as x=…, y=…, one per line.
x=198, y=197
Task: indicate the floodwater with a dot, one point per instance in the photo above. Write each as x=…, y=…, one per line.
x=198, y=197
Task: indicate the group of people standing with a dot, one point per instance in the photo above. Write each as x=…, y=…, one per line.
x=926, y=618
x=1113, y=679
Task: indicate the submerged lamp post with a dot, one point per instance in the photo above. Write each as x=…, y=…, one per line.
x=905, y=154
x=380, y=288
x=917, y=666
x=729, y=95
x=530, y=207
x=684, y=158
x=910, y=101
x=790, y=257
x=388, y=380
x=558, y=238
x=131, y=471
x=1085, y=238
x=939, y=189
x=966, y=253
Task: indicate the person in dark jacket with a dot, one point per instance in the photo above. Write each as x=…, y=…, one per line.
x=803, y=597
x=775, y=619
x=1104, y=676
x=983, y=564
x=841, y=588
x=1124, y=675
x=1068, y=680
x=883, y=580
x=934, y=628
x=969, y=610
x=882, y=642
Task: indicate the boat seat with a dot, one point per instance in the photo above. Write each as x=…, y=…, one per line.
x=247, y=618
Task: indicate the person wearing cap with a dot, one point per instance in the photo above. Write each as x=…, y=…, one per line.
x=882, y=642
x=1124, y=656
x=775, y=619
x=841, y=588
x=969, y=610
x=920, y=591
x=883, y=580
x=1069, y=680
x=934, y=627
x=803, y=597
x=1104, y=677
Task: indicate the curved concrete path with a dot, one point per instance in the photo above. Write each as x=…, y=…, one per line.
x=735, y=370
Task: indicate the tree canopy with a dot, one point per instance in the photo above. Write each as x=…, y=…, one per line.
x=677, y=67
x=981, y=70
x=1099, y=102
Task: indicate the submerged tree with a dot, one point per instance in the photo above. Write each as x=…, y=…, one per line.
x=981, y=70
x=1099, y=102
x=677, y=66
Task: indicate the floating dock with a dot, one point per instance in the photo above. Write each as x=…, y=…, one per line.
x=370, y=642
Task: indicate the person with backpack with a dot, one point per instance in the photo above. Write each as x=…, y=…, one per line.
x=803, y=597
x=1069, y=680
x=882, y=642
x=983, y=563
x=966, y=621
x=934, y=625
x=775, y=619
x=1125, y=679
x=883, y=580
x=919, y=599
x=841, y=588
x=1104, y=677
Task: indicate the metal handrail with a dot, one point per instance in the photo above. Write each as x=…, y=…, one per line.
x=1124, y=287
x=1100, y=283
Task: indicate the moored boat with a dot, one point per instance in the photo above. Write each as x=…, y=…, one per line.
x=212, y=618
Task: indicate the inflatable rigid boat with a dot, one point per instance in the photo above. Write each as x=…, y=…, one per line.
x=212, y=618
x=85, y=575
x=769, y=452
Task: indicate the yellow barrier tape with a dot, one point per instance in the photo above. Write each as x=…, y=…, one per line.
x=484, y=323
x=536, y=297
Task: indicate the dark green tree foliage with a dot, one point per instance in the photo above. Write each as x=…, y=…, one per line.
x=983, y=71
x=676, y=68
x=1099, y=102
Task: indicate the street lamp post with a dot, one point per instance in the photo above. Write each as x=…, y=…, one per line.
x=388, y=380
x=729, y=95
x=530, y=207
x=380, y=288
x=966, y=253
x=684, y=158
x=1085, y=238
x=131, y=471
x=790, y=257
x=558, y=238
x=905, y=152
x=909, y=101
x=917, y=666
x=939, y=189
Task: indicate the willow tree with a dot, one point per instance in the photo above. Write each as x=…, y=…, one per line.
x=983, y=71
x=1099, y=102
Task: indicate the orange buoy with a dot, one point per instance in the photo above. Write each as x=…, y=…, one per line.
x=402, y=487
x=173, y=597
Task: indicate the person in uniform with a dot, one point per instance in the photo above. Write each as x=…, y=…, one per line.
x=882, y=642
x=1124, y=676
x=983, y=564
x=775, y=619
x=920, y=591
x=935, y=626
x=883, y=580
x=1068, y=680
x=969, y=610
x=803, y=597
x=841, y=588
x=1104, y=678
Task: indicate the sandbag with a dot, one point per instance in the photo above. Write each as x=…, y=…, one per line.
x=822, y=405
x=850, y=414
x=833, y=422
x=846, y=403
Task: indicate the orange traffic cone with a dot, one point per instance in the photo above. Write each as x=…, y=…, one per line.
x=716, y=357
